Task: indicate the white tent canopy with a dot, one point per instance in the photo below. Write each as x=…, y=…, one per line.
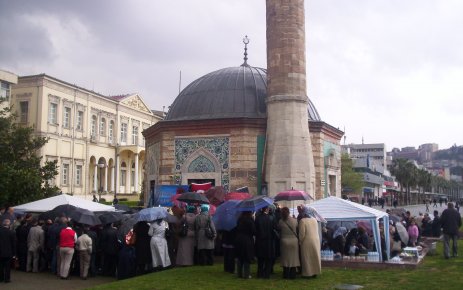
x=50, y=203
x=337, y=209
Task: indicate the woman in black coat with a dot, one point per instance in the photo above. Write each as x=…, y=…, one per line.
x=244, y=244
x=142, y=247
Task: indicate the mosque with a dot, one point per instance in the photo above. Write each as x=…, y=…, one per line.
x=244, y=127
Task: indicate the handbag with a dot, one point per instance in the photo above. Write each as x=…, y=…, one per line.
x=184, y=229
x=208, y=230
x=130, y=238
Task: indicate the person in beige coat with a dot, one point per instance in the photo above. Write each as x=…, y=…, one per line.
x=84, y=246
x=309, y=242
x=35, y=243
x=289, y=246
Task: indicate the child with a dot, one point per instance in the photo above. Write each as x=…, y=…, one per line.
x=413, y=233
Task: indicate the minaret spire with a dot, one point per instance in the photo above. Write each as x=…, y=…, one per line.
x=245, y=41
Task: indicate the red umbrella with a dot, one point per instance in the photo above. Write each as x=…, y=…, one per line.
x=237, y=196
x=290, y=195
x=215, y=195
x=174, y=200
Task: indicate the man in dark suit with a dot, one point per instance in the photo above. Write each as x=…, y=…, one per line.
x=7, y=250
x=450, y=221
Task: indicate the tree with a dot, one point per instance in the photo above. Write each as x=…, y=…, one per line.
x=405, y=173
x=22, y=177
x=350, y=178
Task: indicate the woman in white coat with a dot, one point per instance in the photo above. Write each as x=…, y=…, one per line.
x=158, y=244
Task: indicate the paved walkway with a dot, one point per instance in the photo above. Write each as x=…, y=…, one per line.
x=47, y=281
x=417, y=208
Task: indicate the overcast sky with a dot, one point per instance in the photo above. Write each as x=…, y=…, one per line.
x=387, y=71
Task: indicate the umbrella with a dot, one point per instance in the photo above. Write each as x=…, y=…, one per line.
x=59, y=211
x=336, y=224
x=110, y=217
x=84, y=216
x=122, y=207
x=394, y=218
x=254, y=203
x=215, y=195
x=226, y=215
x=366, y=225
x=290, y=195
x=193, y=197
x=402, y=232
x=237, y=196
x=151, y=214
x=175, y=201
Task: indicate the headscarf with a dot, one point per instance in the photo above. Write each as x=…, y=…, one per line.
x=312, y=213
x=190, y=208
x=204, y=208
x=341, y=231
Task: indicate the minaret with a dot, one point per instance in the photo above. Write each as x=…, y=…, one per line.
x=289, y=158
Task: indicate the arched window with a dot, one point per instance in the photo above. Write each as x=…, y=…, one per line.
x=123, y=173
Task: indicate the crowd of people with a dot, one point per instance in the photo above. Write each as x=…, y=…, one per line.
x=65, y=248
x=405, y=231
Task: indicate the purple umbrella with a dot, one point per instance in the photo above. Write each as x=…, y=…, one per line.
x=290, y=195
x=226, y=215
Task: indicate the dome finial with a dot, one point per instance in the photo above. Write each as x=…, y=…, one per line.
x=245, y=41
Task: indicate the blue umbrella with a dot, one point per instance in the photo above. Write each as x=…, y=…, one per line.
x=226, y=215
x=151, y=214
x=254, y=203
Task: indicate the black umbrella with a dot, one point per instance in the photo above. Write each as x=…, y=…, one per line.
x=110, y=217
x=84, y=216
x=254, y=203
x=193, y=197
x=59, y=211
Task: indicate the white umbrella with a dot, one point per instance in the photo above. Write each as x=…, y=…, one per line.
x=402, y=232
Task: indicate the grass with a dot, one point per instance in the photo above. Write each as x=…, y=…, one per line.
x=434, y=273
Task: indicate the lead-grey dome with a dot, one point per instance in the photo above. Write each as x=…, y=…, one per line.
x=234, y=92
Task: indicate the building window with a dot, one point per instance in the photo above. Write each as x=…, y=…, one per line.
x=5, y=91
x=123, y=173
x=67, y=117
x=111, y=132
x=93, y=127
x=65, y=174
x=123, y=133
x=80, y=120
x=24, y=107
x=102, y=127
x=53, y=113
x=78, y=174
x=134, y=135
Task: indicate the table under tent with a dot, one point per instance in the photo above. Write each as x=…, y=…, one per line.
x=340, y=210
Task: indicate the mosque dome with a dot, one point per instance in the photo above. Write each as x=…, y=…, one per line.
x=234, y=92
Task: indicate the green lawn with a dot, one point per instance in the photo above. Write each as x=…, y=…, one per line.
x=433, y=274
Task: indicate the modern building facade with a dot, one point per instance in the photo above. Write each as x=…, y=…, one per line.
x=95, y=139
